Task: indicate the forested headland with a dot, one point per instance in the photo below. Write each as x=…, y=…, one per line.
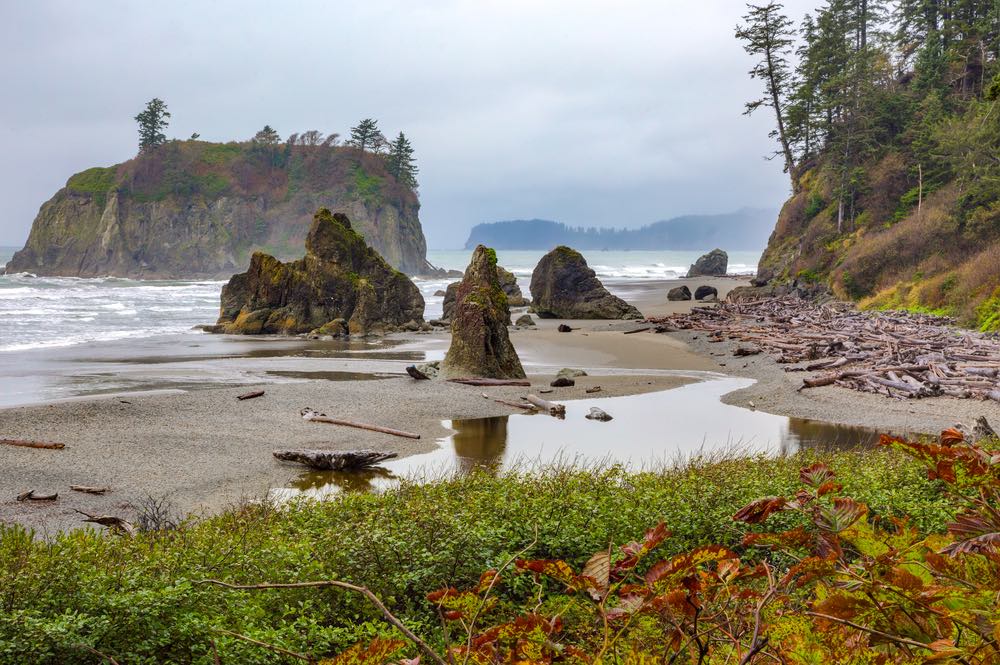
x=887, y=124
x=745, y=229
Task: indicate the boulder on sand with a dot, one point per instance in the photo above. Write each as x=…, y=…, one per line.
x=341, y=277
x=704, y=291
x=508, y=284
x=563, y=286
x=713, y=264
x=681, y=292
x=525, y=321
x=480, y=345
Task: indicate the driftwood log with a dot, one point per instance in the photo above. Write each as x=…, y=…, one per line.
x=86, y=489
x=896, y=354
x=31, y=496
x=553, y=409
x=516, y=405
x=491, y=382
x=334, y=460
x=255, y=394
x=637, y=330
x=32, y=444
x=111, y=522
x=317, y=417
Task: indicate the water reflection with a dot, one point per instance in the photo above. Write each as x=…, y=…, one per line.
x=648, y=431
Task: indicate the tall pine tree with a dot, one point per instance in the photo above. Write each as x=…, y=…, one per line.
x=366, y=137
x=400, y=162
x=152, y=121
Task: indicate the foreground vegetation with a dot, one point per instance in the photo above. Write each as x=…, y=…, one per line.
x=143, y=600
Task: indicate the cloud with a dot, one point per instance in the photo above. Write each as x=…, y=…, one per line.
x=616, y=113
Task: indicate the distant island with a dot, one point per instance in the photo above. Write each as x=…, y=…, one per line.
x=744, y=229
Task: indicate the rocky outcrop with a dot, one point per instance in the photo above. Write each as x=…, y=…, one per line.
x=681, y=292
x=705, y=291
x=563, y=286
x=480, y=345
x=715, y=263
x=197, y=209
x=508, y=284
x=342, y=286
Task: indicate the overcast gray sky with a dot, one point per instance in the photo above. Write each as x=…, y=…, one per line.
x=614, y=113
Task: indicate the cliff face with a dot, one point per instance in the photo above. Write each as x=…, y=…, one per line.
x=198, y=209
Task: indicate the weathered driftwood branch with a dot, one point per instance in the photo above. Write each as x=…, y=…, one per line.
x=334, y=460
x=491, y=382
x=111, y=522
x=255, y=394
x=516, y=405
x=317, y=417
x=637, y=330
x=553, y=409
x=31, y=496
x=32, y=444
x=86, y=489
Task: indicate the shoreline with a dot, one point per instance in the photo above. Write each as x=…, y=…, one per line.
x=203, y=450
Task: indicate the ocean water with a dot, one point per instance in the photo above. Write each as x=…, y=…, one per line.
x=49, y=312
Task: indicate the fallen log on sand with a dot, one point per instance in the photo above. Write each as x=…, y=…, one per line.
x=526, y=407
x=491, y=382
x=316, y=417
x=637, y=330
x=253, y=395
x=113, y=523
x=32, y=444
x=553, y=409
x=31, y=496
x=90, y=490
x=334, y=460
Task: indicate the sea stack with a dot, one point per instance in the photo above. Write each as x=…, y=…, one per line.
x=508, y=284
x=480, y=345
x=342, y=286
x=713, y=264
x=563, y=286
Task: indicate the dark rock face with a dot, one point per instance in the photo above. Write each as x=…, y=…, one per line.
x=480, y=345
x=679, y=293
x=715, y=263
x=703, y=292
x=508, y=283
x=563, y=286
x=341, y=286
x=763, y=277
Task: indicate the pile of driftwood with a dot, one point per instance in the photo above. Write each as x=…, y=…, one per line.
x=896, y=354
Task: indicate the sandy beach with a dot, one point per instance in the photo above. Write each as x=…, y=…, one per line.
x=202, y=449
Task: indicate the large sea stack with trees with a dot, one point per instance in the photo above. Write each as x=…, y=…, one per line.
x=192, y=208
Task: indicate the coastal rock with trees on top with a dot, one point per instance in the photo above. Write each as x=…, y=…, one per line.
x=563, y=286
x=480, y=344
x=341, y=286
x=184, y=209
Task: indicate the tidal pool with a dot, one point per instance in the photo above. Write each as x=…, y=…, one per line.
x=647, y=431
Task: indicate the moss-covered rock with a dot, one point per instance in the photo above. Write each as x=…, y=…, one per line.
x=480, y=345
x=508, y=284
x=342, y=285
x=563, y=286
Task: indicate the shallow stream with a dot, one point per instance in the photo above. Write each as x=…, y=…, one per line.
x=648, y=431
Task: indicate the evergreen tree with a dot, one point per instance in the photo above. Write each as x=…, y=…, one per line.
x=400, y=162
x=768, y=36
x=366, y=137
x=152, y=121
x=267, y=136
